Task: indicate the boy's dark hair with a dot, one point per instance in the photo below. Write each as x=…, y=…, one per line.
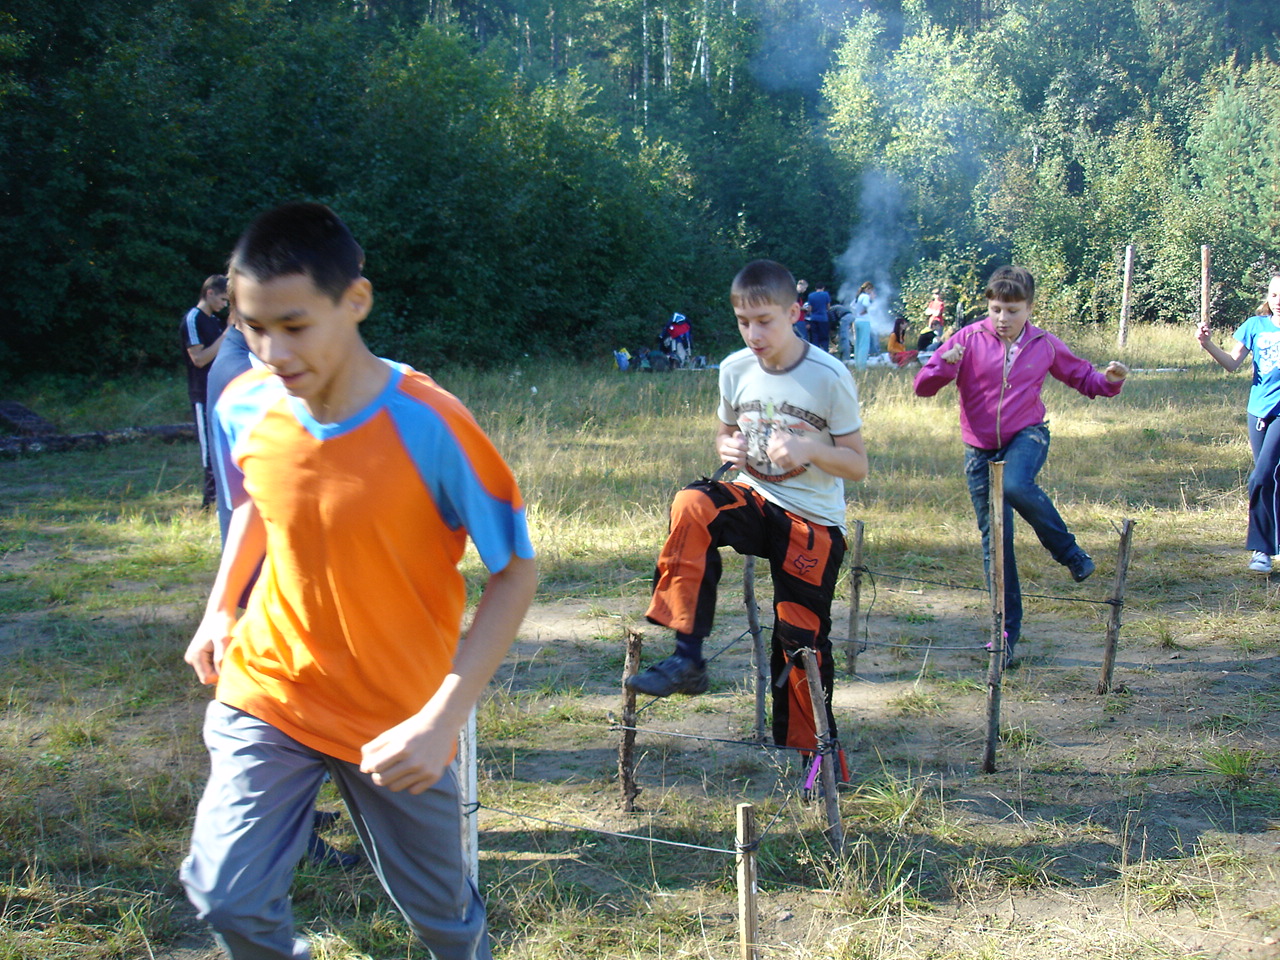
x=763, y=281
x=215, y=284
x=299, y=238
x=1011, y=284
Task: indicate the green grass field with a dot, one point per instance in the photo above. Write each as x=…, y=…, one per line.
x=1135, y=824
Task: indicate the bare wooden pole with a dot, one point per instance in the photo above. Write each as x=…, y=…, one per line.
x=627, y=744
x=1204, y=283
x=827, y=750
x=1117, y=608
x=1124, y=295
x=748, y=911
x=855, y=601
x=468, y=782
x=759, y=663
x=995, y=663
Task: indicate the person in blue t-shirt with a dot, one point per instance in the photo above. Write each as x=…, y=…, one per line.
x=819, y=322
x=1259, y=336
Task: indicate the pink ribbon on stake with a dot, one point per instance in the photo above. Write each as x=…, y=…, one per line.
x=813, y=771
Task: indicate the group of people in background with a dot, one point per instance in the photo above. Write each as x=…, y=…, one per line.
x=819, y=312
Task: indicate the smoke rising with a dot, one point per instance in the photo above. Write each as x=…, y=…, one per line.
x=797, y=41
x=882, y=234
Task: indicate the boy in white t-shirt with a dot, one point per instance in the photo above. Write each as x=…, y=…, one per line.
x=789, y=424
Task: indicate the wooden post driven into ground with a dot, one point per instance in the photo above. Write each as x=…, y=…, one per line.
x=1204, y=283
x=627, y=745
x=995, y=663
x=1117, y=608
x=758, y=662
x=855, y=601
x=830, y=762
x=748, y=911
x=1124, y=296
x=468, y=782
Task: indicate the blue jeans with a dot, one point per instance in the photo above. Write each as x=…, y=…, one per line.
x=820, y=333
x=1264, y=490
x=1023, y=457
x=846, y=344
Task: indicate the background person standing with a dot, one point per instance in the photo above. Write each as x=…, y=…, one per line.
x=819, y=322
x=202, y=332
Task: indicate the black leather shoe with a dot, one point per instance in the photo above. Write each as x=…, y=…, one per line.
x=1082, y=567
x=676, y=674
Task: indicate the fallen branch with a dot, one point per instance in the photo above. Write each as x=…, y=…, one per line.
x=60, y=443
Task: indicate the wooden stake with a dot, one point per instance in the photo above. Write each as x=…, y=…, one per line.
x=830, y=756
x=995, y=663
x=855, y=601
x=748, y=912
x=759, y=662
x=627, y=744
x=1117, y=608
x=1204, y=283
x=1124, y=295
x=470, y=789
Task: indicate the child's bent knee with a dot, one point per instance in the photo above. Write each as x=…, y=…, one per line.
x=694, y=503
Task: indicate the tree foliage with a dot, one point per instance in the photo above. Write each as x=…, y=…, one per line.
x=543, y=176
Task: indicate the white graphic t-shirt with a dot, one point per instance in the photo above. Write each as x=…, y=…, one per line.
x=814, y=398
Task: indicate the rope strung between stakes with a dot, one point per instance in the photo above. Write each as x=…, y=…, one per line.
x=1109, y=601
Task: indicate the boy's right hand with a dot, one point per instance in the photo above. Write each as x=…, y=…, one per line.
x=954, y=354
x=733, y=449
x=205, y=650
x=1203, y=334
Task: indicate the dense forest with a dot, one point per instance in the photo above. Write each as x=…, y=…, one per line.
x=550, y=177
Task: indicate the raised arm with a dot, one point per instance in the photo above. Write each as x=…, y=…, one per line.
x=1229, y=360
x=941, y=368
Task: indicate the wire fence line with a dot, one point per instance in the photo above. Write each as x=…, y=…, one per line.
x=865, y=641
x=772, y=750
x=1109, y=601
x=471, y=809
x=789, y=797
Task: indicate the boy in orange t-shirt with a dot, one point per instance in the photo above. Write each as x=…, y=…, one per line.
x=357, y=483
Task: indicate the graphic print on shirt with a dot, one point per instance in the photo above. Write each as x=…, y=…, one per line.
x=758, y=420
x=1266, y=348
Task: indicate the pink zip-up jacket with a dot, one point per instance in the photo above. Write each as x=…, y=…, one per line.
x=993, y=408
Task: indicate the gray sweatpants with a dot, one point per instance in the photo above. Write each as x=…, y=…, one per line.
x=252, y=826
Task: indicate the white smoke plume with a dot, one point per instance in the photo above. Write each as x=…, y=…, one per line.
x=882, y=233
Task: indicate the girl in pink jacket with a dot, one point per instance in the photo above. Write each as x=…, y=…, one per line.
x=999, y=365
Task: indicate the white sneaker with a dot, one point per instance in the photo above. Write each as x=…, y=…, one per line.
x=1261, y=563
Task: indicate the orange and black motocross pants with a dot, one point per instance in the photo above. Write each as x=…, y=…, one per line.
x=804, y=559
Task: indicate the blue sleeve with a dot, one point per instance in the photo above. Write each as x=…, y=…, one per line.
x=1245, y=332
x=470, y=483
x=238, y=409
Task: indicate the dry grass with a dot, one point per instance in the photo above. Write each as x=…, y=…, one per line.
x=1084, y=842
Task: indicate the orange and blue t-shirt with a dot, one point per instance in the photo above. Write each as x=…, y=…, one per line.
x=355, y=618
